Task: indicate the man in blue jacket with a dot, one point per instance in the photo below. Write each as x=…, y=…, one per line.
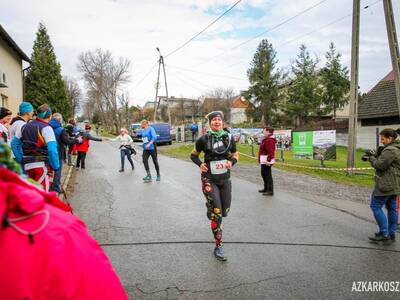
x=63, y=139
x=35, y=147
x=149, y=138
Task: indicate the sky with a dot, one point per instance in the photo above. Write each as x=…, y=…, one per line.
x=133, y=29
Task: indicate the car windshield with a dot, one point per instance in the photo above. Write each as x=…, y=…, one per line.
x=135, y=126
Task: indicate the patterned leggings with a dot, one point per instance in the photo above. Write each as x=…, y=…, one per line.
x=218, y=202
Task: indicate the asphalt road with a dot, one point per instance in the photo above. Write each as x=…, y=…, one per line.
x=282, y=247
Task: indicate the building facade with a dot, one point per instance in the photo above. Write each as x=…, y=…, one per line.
x=11, y=72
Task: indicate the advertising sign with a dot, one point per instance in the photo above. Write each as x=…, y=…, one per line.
x=324, y=145
x=283, y=139
x=303, y=144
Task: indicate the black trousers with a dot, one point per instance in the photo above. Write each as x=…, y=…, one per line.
x=266, y=173
x=146, y=155
x=80, y=160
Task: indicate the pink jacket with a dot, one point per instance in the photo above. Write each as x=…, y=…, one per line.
x=59, y=259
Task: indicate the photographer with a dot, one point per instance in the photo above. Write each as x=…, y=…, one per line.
x=386, y=163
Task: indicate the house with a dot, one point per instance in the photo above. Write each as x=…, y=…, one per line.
x=11, y=72
x=148, y=105
x=378, y=110
x=238, y=110
x=182, y=109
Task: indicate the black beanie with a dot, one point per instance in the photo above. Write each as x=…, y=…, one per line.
x=214, y=114
x=4, y=112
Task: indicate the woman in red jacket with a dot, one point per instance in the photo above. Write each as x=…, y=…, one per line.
x=266, y=158
x=83, y=148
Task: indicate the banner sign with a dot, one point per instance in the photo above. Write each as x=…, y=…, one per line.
x=324, y=145
x=283, y=139
x=318, y=145
x=303, y=144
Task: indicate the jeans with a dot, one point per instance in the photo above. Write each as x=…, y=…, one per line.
x=386, y=225
x=128, y=155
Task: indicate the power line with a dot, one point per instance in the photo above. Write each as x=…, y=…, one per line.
x=313, y=31
x=208, y=26
x=325, y=26
x=266, y=31
x=147, y=74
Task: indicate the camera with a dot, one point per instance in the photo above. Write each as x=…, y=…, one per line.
x=368, y=153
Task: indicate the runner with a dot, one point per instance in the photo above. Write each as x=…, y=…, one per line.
x=220, y=155
x=149, y=138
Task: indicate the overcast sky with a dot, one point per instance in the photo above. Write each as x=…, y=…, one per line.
x=134, y=28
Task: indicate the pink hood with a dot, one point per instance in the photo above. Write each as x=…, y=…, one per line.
x=60, y=261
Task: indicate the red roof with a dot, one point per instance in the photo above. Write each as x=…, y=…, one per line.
x=389, y=77
x=239, y=102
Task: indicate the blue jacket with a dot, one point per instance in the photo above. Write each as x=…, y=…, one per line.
x=148, y=135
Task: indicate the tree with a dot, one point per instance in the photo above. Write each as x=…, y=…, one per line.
x=104, y=78
x=44, y=83
x=220, y=100
x=74, y=95
x=264, y=79
x=335, y=80
x=304, y=92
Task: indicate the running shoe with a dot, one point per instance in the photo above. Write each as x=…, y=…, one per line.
x=219, y=253
x=147, y=178
x=158, y=178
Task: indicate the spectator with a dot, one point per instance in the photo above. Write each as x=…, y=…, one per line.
x=5, y=119
x=83, y=148
x=36, y=148
x=194, y=129
x=47, y=253
x=125, y=148
x=387, y=185
x=25, y=114
x=266, y=158
x=63, y=140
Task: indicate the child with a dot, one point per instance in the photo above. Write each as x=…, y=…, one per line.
x=83, y=148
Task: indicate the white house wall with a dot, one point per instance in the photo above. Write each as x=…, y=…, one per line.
x=11, y=65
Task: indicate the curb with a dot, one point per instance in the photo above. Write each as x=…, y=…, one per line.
x=66, y=181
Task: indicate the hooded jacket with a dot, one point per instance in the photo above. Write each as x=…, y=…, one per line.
x=267, y=147
x=59, y=260
x=387, y=170
x=62, y=136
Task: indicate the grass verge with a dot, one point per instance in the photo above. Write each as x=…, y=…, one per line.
x=362, y=178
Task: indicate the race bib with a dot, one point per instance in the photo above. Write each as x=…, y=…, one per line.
x=218, y=167
x=145, y=139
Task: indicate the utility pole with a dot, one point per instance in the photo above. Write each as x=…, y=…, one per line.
x=355, y=42
x=157, y=100
x=157, y=88
x=393, y=46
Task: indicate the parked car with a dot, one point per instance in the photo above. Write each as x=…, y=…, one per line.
x=136, y=132
x=163, y=131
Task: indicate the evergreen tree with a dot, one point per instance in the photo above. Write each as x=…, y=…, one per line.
x=335, y=80
x=264, y=80
x=44, y=83
x=305, y=90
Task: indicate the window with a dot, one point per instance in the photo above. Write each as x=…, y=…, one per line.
x=4, y=101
